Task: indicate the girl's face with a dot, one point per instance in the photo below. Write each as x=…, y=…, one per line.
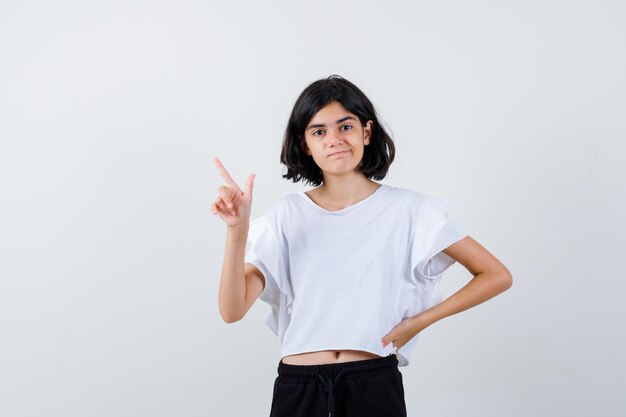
x=334, y=129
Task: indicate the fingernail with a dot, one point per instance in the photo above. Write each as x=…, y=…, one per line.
x=230, y=204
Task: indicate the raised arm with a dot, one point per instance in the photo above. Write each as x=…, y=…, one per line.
x=234, y=206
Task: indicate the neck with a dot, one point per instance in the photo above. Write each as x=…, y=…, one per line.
x=346, y=191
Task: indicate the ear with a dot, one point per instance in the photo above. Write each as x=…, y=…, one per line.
x=367, y=132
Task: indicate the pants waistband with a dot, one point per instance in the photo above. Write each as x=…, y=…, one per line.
x=348, y=370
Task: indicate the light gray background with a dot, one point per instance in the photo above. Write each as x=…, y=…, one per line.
x=110, y=113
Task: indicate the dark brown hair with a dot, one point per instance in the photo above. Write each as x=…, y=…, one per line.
x=378, y=154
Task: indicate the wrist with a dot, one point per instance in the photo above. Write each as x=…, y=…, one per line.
x=239, y=228
x=423, y=320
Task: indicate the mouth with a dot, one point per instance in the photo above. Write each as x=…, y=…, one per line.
x=338, y=152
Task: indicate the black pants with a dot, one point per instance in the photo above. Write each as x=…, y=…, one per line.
x=365, y=388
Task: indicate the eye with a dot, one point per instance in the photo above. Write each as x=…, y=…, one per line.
x=315, y=132
x=347, y=126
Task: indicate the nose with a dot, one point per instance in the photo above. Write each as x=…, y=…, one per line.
x=334, y=138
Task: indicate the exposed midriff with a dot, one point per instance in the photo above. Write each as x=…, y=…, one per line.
x=327, y=357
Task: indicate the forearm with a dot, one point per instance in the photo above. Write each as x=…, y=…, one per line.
x=232, y=289
x=481, y=288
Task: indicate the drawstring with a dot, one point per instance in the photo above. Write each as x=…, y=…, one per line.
x=329, y=384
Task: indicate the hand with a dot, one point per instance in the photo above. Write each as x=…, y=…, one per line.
x=404, y=331
x=232, y=204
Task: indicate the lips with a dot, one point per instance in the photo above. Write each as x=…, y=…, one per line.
x=334, y=153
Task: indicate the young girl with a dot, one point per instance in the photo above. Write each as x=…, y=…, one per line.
x=350, y=269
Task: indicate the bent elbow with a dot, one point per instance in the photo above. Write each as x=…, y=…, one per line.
x=507, y=280
x=231, y=318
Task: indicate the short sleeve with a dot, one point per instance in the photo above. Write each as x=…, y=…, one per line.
x=264, y=251
x=436, y=261
x=435, y=232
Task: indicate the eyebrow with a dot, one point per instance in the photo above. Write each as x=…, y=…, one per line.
x=337, y=122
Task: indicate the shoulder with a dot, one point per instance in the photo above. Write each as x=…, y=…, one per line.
x=279, y=208
x=423, y=205
x=410, y=197
x=276, y=215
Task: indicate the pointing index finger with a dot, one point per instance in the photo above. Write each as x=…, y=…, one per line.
x=225, y=175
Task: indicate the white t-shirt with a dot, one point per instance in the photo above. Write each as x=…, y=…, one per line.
x=343, y=279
